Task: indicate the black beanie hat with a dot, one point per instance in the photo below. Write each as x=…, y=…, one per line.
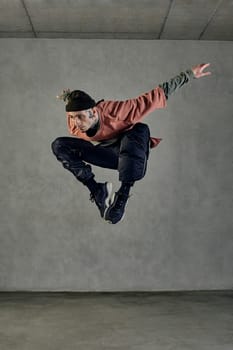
x=77, y=100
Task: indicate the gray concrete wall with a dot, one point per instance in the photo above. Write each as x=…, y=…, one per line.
x=177, y=233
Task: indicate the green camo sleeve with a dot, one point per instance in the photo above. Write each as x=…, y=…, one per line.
x=173, y=84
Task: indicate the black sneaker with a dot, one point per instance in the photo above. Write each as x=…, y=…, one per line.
x=102, y=196
x=115, y=212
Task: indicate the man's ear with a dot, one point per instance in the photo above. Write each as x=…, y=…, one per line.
x=95, y=112
x=90, y=113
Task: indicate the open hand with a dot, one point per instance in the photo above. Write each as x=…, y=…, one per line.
x=198, y=70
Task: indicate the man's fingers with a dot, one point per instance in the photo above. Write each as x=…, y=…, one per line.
x=204, y=66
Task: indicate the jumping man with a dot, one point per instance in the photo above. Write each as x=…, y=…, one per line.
x=109, y=134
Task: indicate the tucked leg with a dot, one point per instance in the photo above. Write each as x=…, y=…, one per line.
x=133, y=156
x=134, y=152
x=73, y=152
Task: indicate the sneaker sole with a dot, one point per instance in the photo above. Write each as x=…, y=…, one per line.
x=109, y=196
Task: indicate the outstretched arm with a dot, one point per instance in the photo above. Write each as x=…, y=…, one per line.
x=173, y=84
x=133, y=110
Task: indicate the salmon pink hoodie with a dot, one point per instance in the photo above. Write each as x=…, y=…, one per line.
x=119, y=116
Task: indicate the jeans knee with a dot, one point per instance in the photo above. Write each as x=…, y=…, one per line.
x=140, y=133
x=141, y=128
x=56, y=144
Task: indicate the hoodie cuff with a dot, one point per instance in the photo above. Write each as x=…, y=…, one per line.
x=190, y=73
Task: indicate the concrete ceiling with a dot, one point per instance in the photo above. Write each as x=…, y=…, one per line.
x=117, y=19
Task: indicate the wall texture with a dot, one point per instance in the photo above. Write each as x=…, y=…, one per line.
x=177, y=232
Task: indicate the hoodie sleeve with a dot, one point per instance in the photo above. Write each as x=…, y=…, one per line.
x=133, y=110
x=173, y=84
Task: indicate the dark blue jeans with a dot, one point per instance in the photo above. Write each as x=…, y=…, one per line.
x=128, y=155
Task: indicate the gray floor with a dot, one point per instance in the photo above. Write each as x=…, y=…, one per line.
x=105, y=321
